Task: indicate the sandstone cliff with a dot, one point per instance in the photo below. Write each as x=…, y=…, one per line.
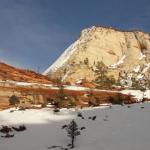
x=119, y=50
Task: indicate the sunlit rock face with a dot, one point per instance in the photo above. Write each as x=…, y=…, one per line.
x=8, y=72
x=119, y=50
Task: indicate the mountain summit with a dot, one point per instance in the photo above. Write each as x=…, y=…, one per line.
x=120, y=51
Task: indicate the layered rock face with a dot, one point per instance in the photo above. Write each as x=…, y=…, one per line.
x=8, y=72
x=27, y=85
x=119, y=50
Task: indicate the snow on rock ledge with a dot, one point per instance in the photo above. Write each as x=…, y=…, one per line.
x=137, y=94
x=119, y=62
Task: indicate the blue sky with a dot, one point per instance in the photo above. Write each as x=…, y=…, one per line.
x=33, y=33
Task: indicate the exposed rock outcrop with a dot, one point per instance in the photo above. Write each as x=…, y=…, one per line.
x=119, y=50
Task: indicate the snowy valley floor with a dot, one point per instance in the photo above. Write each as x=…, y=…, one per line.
x=123, y=129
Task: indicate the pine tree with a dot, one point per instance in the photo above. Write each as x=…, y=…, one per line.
x=60, y=97
x=72, y=131
x=100, y=72
x=86, y=61
x=14, y=100
x=102, y=79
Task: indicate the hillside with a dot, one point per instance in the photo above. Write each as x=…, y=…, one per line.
x=8, y=72
x=32, y=89
x=120, y=51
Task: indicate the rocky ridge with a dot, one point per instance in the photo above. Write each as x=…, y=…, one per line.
x=8, y=72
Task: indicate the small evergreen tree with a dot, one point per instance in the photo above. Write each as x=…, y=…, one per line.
x=60, y=97
x=57, y=81
x=86, y=61
x=135, y=83
x=100, y=72
x=13, y=100
x=72, y=131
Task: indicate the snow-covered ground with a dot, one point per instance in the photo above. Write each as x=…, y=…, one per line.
x=125, y=128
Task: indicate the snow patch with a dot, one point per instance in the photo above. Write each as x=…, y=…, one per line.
x=128, y=81
x=66, y=75
x=147, y=66
x=141, y=56
x=137, y=69
x=137, y=93
x=121, y=61
x=140, y=76
x=79, y=81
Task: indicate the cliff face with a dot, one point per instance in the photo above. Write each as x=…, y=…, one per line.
x=8, y=72
x=119, y=50
x=25, y=84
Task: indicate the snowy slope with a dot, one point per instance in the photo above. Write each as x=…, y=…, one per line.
x=63, y=58
x=126, y=128
x=68, y=52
